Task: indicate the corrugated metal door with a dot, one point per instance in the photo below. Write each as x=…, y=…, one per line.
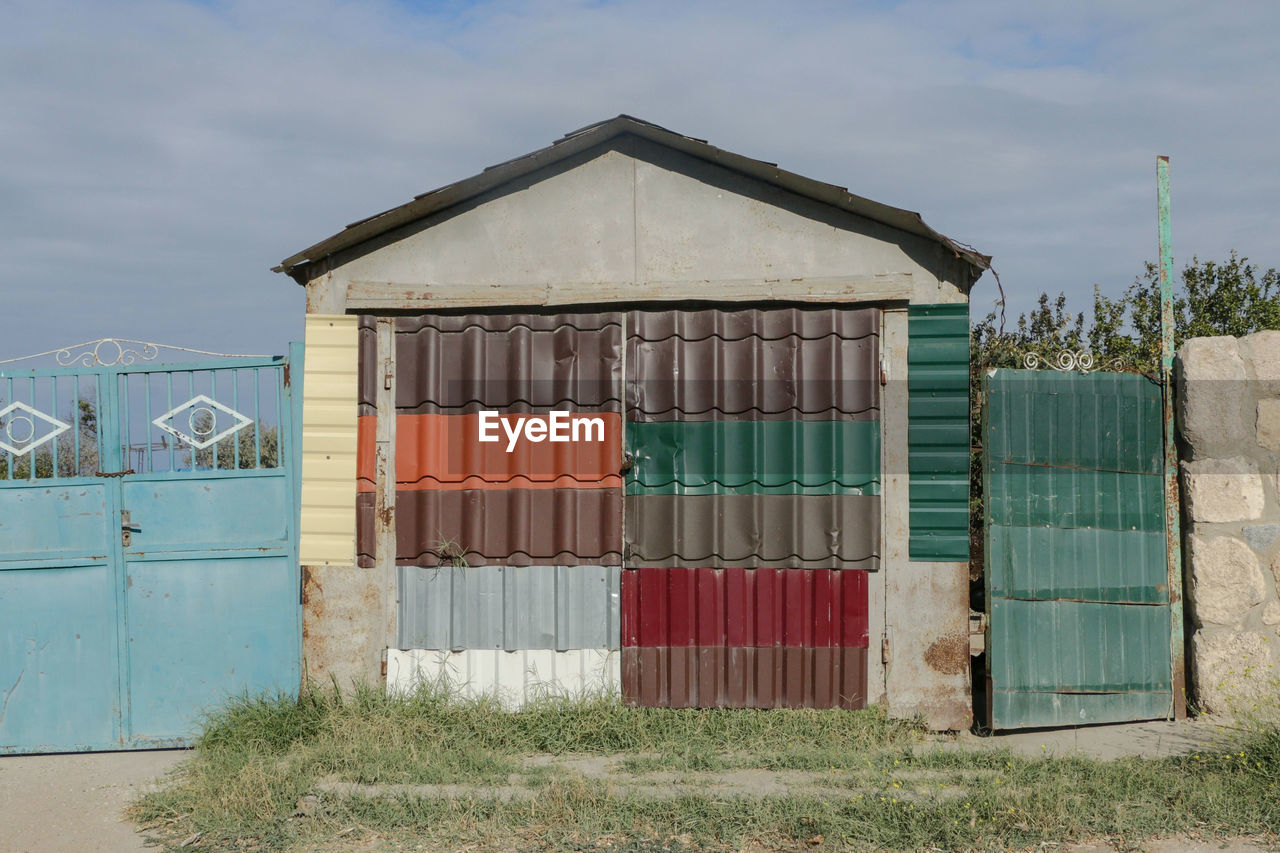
x=752, y=508
x=508, y=552
x=1076, y=578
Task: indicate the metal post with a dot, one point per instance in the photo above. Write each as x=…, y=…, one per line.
x=1172, y=514
x=384, y=515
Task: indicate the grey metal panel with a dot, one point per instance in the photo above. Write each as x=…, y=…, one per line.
x=753, y=531
x=509, y=607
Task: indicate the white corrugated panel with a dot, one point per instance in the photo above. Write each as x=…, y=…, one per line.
x=328, y=524
x=513, y=678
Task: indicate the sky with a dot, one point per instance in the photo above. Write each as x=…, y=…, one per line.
x=158, y=157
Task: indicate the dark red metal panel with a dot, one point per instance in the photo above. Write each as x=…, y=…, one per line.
x=753, y=364
x=732, y=677
x=744, y=607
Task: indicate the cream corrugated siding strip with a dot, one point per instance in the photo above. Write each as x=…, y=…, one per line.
x=328, y=528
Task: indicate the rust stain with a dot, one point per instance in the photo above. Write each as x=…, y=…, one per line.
x=312, y=604
x=949, y=654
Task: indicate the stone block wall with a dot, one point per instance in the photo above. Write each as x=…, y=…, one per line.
x=1227, y=397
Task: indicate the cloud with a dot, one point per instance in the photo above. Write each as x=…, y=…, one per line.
x=156, y=158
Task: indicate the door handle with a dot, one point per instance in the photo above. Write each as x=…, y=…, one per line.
x=127, y=528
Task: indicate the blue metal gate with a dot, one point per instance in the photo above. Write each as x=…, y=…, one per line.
x=148, y=545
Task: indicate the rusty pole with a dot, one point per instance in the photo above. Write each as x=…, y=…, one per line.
x=1172, y=514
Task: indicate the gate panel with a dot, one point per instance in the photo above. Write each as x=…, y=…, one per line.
x=210, y=578
x=59, y=643
x=148, y=565
x=202, y=630
x=1077, y=589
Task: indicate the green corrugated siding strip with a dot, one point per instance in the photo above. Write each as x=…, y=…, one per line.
x=938, y=430
x=754, y=457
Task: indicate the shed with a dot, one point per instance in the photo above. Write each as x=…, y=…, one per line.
x=637, y=413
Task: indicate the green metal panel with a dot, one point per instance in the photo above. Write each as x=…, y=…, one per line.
x=1029, y=495
x=1079, y=647
x=1077, y=592
x=1082, y=564
x=1105, y=421
x=754, y=457
x=938, y=430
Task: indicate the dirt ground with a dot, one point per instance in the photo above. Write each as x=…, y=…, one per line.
x=72, y=803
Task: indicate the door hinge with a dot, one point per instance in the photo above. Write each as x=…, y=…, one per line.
x=387, y=374
x=885, y=654
x=384, y=664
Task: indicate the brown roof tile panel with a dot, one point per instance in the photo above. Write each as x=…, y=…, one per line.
x=789, y=379
x=452, y=364
x=758, y=363
x=514, y=527
x=753, y=531
x=367, y=349
x=366, y=546
x=764, y=323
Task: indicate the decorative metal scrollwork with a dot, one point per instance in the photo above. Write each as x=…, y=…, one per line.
x=1081, y=360
x=106, y=353
x=199, y=416
x=110, y=352
x=23, y=429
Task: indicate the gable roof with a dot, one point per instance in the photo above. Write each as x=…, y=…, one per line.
x=595, y=134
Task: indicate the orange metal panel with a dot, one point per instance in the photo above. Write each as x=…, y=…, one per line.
x=444, y=452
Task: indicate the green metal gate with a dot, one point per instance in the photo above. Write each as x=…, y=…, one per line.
x=1076, y=564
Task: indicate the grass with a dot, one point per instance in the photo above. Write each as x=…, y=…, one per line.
x=872, y=783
